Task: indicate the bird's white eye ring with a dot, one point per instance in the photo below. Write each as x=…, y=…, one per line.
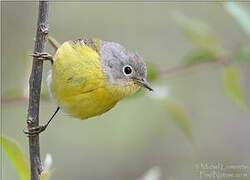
x=127, y=70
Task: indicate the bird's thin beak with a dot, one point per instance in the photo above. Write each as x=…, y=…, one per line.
x=143, y=82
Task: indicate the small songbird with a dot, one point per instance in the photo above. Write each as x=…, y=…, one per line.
x=89, y=76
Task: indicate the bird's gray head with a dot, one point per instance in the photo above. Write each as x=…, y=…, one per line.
x=121, y=66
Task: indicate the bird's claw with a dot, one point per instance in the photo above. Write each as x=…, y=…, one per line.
x=42, y=56
x=35, y=130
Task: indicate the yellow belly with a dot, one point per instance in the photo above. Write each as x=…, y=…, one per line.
x=78, y=83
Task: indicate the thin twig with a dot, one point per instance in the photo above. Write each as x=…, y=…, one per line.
x=219, y=61
x=54, y=43
x=35, y=89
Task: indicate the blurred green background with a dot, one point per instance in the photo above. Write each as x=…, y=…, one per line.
x=139, y=133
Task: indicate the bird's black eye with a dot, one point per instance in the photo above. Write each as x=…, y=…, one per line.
x=127, y=70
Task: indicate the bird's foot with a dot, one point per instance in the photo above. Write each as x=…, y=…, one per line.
x=35, y=130
x=43, y=56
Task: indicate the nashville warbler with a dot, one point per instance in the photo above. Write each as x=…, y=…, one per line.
x=89, y=76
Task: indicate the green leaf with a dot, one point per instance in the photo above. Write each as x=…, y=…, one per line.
x=243, y=53
x=199, y=33
x=16, y=156
x=199, y=56
x=180, y=118
x=240, y=13
x=233, y=87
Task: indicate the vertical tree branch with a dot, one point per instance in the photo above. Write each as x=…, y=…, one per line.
x=35, y=88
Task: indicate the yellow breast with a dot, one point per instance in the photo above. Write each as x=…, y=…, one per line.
x=79, y=85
